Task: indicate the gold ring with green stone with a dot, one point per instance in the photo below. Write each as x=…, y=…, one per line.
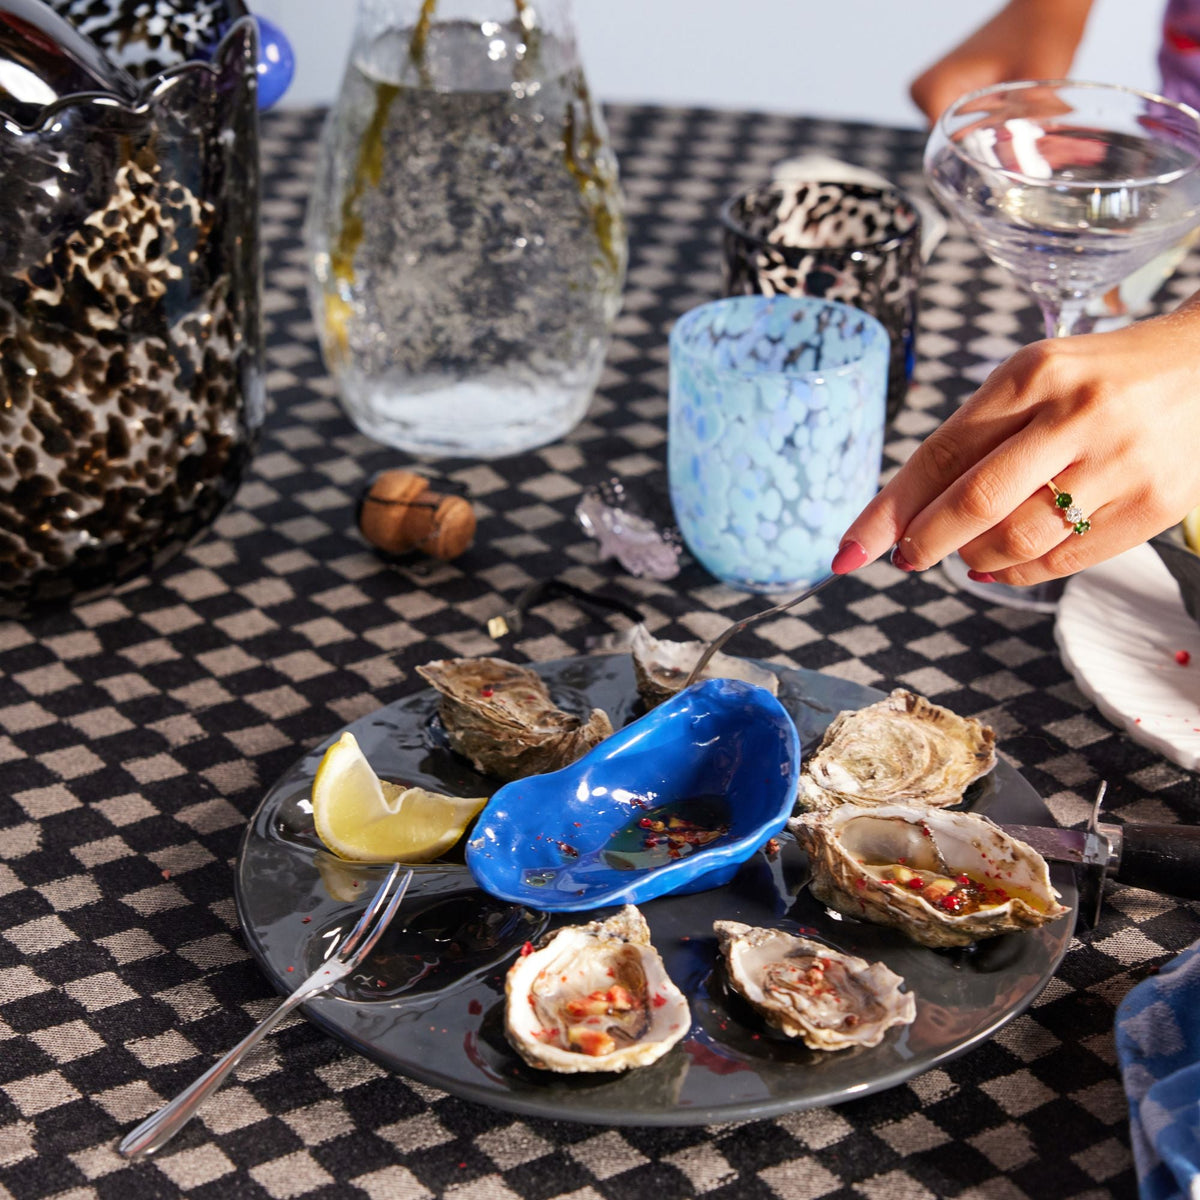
x=1071, y=512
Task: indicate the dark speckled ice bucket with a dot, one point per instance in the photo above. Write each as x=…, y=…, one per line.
x=131, y=380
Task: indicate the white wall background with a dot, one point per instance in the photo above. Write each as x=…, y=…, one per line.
x=831, y=58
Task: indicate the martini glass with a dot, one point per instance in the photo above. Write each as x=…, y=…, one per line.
x=1071, y=187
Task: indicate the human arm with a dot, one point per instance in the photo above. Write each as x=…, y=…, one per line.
x=1026, y=39
x=1112, y=418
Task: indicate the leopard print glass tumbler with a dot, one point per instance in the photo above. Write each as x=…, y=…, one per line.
x=131, y=388
x=775, y=434
x=849, y=242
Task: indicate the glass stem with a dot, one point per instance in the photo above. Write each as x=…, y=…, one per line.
x=1063, y=314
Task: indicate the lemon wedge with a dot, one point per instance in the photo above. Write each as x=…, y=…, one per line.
x=361, y=817
x=1191, y=529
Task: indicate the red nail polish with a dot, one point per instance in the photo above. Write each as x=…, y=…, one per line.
x=849, y=558
x=981, y=576
x=900, y=562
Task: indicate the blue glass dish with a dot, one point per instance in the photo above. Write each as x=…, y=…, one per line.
x=722, y=754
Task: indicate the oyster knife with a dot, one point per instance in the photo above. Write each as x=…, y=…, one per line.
x=1160, y=858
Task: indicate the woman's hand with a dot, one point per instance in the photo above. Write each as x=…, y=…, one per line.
x=1112, y=418
x=1026, y=39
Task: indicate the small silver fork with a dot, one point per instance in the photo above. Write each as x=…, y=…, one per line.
x=158, y=1129
x=738, y=626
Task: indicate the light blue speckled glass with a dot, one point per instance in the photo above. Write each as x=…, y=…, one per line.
x=775, y=435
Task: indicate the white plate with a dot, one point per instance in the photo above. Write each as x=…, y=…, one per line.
x=1120, y=626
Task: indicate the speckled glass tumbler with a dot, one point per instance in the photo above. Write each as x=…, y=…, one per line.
x=775, y=435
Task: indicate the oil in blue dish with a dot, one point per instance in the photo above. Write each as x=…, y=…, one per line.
x=674, y=802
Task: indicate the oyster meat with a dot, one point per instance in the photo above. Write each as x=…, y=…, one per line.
x=830, y=1000
x=944, y=878
x=594, y=997
x=501, y=717
x=662, y=667
x=901, y=750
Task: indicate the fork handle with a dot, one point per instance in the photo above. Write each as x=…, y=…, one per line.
x=158, y=1128
x=738, y=626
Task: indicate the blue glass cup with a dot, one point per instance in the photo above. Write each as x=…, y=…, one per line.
x=775, y=433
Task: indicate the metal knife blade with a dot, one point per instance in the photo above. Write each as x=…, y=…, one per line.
x=1058, y=845
x=1160, y=858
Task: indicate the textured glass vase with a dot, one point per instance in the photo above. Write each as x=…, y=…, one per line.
x=466, y=231
x=131, y=386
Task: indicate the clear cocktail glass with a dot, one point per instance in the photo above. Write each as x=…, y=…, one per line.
x=1071, y=187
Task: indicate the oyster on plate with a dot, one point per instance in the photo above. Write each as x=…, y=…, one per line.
x=944, y=878
x=828, y=999
x=594, y=997
x=662, y=667
x=902, y=750
x=501, y=717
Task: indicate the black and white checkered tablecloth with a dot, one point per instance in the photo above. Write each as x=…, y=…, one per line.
x=138, y=733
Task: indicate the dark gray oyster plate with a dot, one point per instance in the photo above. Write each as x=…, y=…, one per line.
x=432, y=1007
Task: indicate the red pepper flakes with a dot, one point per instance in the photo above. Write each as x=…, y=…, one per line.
x=166, y=874
x=305, y=920
x=291, y=969
x=527, y=950
x=916, y=883
x=658, y=1000
x=380, y=983
x=772, y=847
x=645, y=823
x=963, y=879
x=1182, y=657
x=487, y=693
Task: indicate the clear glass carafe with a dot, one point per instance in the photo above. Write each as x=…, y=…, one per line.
x=466, y=233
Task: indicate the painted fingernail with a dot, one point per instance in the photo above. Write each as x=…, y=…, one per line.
x=849, y=557
x=981, y=576
x=900, y=562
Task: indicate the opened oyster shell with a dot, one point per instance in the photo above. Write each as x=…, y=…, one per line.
x=902, y=750
x=662, y=667
x=944, y=878
x=830, y=1000
x=594, y=997
x=501, y=717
